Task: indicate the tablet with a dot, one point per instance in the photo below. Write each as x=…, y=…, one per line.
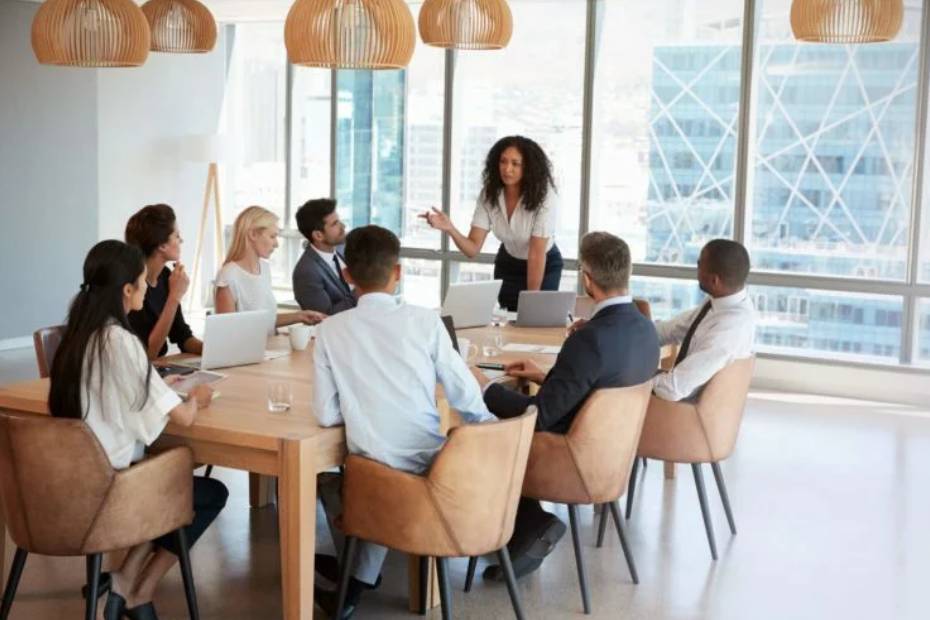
x=201, y=377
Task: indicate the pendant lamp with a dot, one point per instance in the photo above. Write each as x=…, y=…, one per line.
x=466, y=24
x=846, y=21
x=180, y=26
x=90, y=33
x=350, y=34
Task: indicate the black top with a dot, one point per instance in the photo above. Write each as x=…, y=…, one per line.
x=143, y=321
x=618, y=347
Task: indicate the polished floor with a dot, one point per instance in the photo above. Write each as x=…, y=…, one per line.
x=831, y=497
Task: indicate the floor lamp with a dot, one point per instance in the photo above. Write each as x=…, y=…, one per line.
x=207, y=149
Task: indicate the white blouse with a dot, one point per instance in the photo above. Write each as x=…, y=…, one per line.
x=250, y=291
x=515, y=234
x=113, y=409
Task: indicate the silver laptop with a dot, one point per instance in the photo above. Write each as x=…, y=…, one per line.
x=471, y=304
x=233, y=339
x=544, y=308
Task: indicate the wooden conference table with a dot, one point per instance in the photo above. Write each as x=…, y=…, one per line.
x=238, y=432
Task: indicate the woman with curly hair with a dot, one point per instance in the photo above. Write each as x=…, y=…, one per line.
x=516, y=203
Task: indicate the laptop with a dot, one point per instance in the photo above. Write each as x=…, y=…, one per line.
x=544, y=308
x=233, y=339
x=471, y=304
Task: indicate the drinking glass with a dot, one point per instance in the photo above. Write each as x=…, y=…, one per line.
x=279, y=396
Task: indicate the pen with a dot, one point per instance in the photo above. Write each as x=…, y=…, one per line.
x=571, y=319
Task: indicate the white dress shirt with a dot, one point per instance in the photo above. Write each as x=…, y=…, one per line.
x=611, y=301
x=113, y=406
x=330, y=259
x=376, y=368
x=515, y=234
x=725, y=334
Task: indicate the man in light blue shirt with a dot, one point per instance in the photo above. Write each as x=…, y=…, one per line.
x=376, y=368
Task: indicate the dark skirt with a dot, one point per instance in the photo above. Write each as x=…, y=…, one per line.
x=209, y=499
x=513, y=272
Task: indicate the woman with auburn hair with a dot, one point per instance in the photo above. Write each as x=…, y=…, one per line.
x=102, y=375
x=517, y=203
x=244, y=281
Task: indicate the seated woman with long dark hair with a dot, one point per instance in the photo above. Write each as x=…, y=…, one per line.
x=102, y=375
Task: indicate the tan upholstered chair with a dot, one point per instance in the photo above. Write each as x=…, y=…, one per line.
x=62, y=497
x=46, y=341
x=589, y=465
x=701, y=432
x=464, y=506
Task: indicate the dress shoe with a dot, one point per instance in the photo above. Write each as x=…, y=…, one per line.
x=115, y=607
x=328, y=600
x=102, y=588
x=142, y=612
x=526, y=555
x=327, y=567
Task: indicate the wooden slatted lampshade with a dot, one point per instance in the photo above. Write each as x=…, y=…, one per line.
x=846, y=21
x=180, y=26
x=350, y=34
x=466, y=24
x=90, y=33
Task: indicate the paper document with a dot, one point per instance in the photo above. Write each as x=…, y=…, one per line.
x=516, y=347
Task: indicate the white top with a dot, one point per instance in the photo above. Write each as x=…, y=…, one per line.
x=611, y=301
x=250, y=291
x=515, y=234
x=114, y=410
x=376, y=368
x=726, y=334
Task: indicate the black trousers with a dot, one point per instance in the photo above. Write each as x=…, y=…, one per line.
x=530, y=517
x=513, y=272
x=210, y=497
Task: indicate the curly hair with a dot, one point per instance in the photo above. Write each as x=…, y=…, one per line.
x=537, y=172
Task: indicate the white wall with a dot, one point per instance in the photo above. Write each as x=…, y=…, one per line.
x=80, y=151
x=144, y=115
x=48, y=178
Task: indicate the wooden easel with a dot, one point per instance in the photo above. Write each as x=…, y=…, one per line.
x=213, y=187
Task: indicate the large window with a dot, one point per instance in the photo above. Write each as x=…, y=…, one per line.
x=805, y=152
x=665, y=119
x=833, y=155
x=257, y=91
x=843, y=326
x=533, y=87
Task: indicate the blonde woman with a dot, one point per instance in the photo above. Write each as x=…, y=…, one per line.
x=244, y=281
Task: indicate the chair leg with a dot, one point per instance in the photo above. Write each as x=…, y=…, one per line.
x=503, y=556
x=470, y=574
x=12, y=582
x=705, y=511
x=718, y=476
x=425, y=585
x=631, y=486
x=94, y=563
x=187, y=574
x=445, y=592
x=602, y=526
x=345, y=568
x=621, y=532
x=579, y=559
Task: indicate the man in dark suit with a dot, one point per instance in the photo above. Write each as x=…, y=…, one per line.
x=617, y=347
x=318, y=280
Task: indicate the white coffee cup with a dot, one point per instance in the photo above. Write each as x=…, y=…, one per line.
x=300, y=336
x=466, y=349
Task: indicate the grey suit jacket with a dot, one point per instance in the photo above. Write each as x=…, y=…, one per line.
x=317, y=287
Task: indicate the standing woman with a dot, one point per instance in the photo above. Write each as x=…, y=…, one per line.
x=244, y=281
x=101, y=374
x=517, y=203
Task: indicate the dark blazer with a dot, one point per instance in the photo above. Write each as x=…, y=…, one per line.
x=618, y=347
x=317, y=287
